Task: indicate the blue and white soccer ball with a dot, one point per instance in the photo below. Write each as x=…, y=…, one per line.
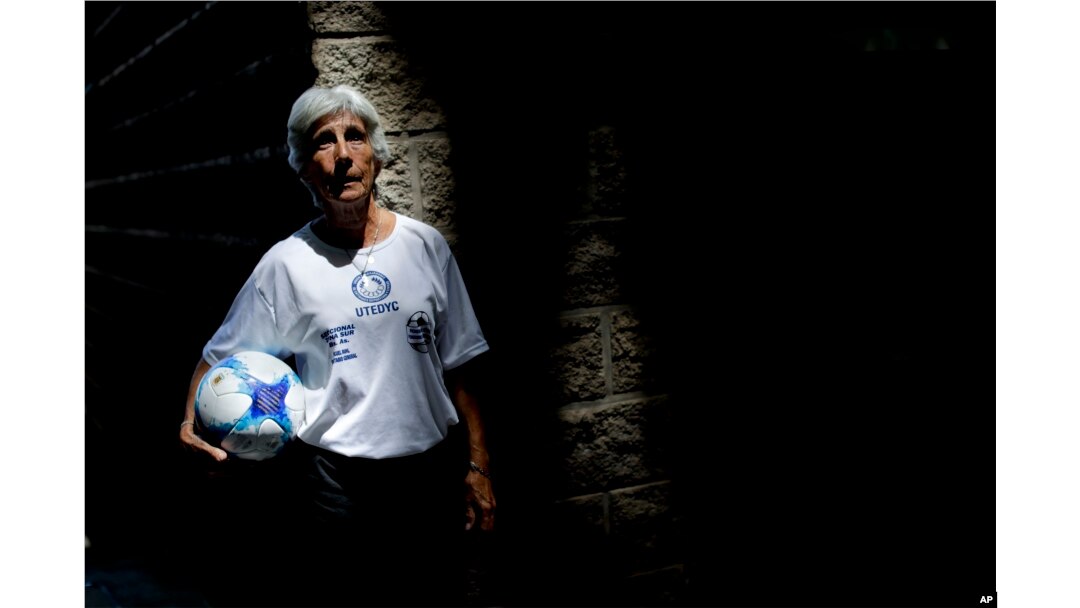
x=251, y=404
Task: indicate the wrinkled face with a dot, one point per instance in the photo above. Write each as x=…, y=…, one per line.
x=342, y=167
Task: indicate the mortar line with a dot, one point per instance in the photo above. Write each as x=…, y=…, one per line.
x=605, y=345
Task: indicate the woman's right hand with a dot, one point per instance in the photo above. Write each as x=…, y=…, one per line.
x=193, y=442
x=188, y=438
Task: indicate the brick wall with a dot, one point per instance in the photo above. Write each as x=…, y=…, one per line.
x=186, y=186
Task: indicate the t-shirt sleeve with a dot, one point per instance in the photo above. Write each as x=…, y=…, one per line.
x=250, y=325
x=457, y=335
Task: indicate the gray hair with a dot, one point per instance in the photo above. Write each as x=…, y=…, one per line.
x=318, y=102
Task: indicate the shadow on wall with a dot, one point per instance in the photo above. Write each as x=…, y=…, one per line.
x=794, y=240
x=186, y=186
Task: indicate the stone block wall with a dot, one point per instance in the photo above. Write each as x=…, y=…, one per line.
x=615, y=428
x=186, y=185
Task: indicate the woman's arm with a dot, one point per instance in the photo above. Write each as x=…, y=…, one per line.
x=479, y=495
x=187, y=428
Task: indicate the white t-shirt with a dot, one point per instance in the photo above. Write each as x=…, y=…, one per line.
x=371, y=353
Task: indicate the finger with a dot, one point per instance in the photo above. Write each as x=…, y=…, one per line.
x=195, y=442
x=218, y=454
x=470, y=517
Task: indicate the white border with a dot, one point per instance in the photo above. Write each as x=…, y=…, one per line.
x=41, y=50
x=1038, y=305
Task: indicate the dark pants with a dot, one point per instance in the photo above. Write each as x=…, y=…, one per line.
x=382, y=532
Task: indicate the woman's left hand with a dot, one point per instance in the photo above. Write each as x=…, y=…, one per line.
x=479, y=500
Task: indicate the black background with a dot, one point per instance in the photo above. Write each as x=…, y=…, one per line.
x=813, y=221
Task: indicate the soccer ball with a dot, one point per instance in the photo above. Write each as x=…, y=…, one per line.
x=251, y=404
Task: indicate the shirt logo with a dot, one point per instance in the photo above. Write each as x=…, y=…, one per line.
x=418, y=331
x=371, y=286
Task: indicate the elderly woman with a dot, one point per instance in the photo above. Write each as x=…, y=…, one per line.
x=373, y=307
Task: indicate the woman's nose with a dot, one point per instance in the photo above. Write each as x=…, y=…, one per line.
x=340, y=151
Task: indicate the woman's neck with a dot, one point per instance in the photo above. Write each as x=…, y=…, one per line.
x=348, y=227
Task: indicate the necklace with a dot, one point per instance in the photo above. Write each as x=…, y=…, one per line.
x=367, y=258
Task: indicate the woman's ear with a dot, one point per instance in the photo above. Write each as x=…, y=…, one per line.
x=378, y=167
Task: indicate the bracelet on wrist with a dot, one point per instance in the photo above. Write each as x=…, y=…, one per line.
x=479, y=469
x=191, y=422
